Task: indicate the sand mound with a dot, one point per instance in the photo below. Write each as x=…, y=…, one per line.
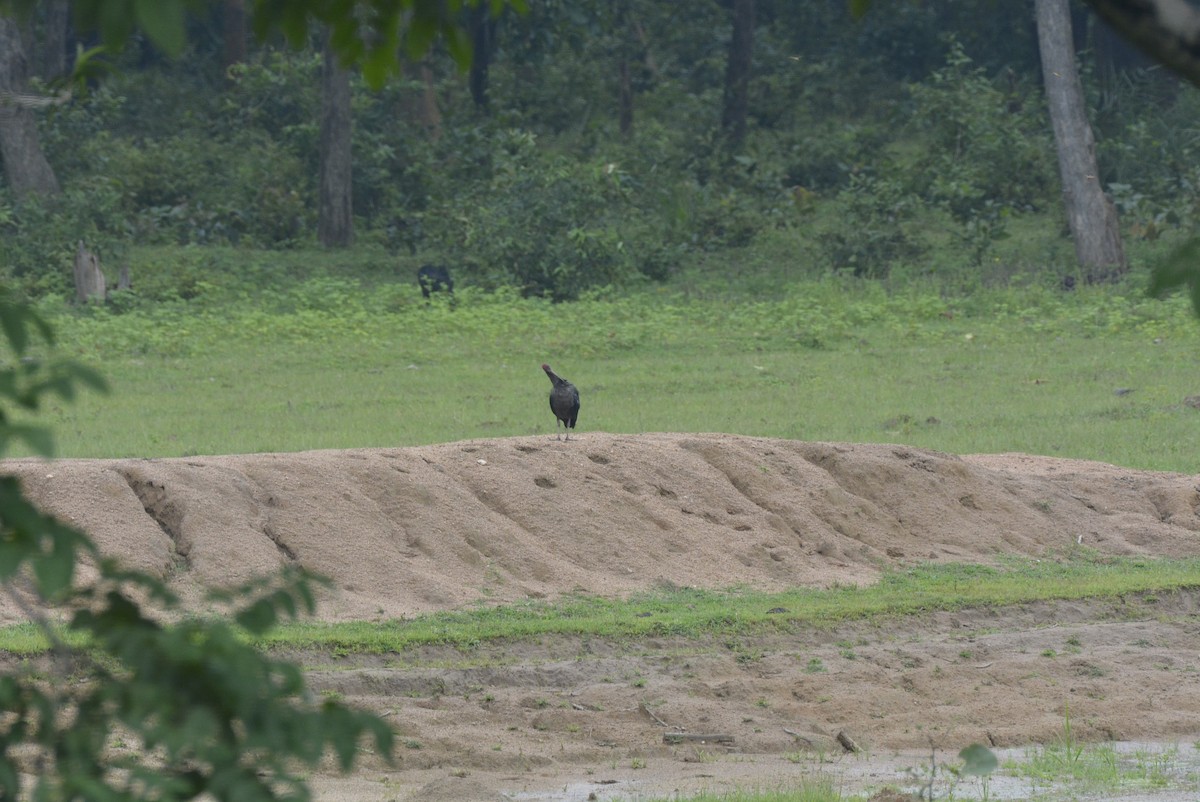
x=409, y=530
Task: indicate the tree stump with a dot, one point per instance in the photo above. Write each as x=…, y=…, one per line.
x=89, y=281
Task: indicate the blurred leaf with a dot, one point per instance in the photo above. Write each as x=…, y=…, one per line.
x=258, y=617
x=978, y=760
x=13, y=323
x=114, y=19
x=89, y=376
x=39, y=438
x=163, y=22
x=55, y=570
x=377, y=66
x=1179, y=271
x=859, y=8
x=90, y=65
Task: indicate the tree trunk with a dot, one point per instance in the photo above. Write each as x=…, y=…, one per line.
x=648, y=60
x=624, y=73
x=1091, y=216
x=737, y=73
x=483, y=34
x=624, y=98
x=53, y=53
x=335, y=222
x=25, y=167
x=421, y=104
x=431, y=115
x=89, y=281
x=234, y=24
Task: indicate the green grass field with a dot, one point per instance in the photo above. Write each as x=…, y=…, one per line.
x=1097, y=374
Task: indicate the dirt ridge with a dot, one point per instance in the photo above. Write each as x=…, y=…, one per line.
x=402, y=531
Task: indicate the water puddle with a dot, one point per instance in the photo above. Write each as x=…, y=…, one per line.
x=1125, y=771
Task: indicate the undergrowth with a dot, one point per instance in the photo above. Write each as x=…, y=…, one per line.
x=282, y=301
x=737, y=612
x=697, y=613
x=231, y=351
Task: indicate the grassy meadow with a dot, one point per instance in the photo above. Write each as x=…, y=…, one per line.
x=332, y=357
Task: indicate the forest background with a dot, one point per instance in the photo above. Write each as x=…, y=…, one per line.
x=590, y=146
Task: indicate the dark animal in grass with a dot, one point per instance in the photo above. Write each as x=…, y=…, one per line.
x=434, y=278
x=564, y=402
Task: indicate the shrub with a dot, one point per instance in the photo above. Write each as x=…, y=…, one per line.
x=38, y=236
x=987, y=144
x=547, y=225
x=872, y=229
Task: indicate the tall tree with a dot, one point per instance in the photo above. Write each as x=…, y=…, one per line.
x=1090, y=214
x=483, y=38
x=234, y=24
x=335, y=219
x=52, y=62
x=1168, y=32
x=428, y=113
x=25, y=167
x=737, y=72
x=624, y=71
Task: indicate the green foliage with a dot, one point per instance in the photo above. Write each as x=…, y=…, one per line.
x=170, y=711
x=976, y=761
x=370, y=37
x=545, y=225
x=143, y=703
x=874, y=228
x=984, y=154
x=986, y=144
x=1180, y=270
x=40, y=234
x=29, y=375
x=277, y=93
x=1148, y=152
x=827, y=158
x=1099, y=768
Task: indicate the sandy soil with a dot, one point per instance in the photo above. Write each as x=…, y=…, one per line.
x=405, y=531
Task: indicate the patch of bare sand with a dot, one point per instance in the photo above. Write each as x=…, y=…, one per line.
x=405, y=531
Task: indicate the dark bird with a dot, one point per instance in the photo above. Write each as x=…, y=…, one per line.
x=564, y=402
x=435, y=278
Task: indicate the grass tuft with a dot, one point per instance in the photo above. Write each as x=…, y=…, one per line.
x=697, y=613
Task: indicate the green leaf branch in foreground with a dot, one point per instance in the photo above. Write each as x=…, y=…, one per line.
x=369, y=34
x=135, y=699
x=168, y=711
x=1179, y=271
